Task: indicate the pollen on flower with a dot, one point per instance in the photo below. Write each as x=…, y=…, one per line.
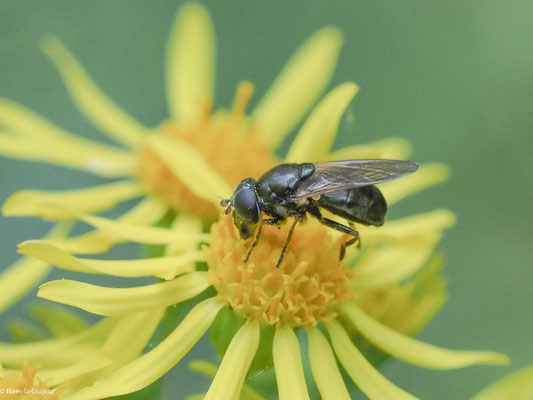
x=307, y=288
x=229, y=142
x=22, y=385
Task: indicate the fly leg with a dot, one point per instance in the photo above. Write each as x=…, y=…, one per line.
x=346, y=244
x=358, y=241
x=315, y=212
x=289, y=237
x=268, y=221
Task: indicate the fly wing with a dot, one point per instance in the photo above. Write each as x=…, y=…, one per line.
x=333, y=176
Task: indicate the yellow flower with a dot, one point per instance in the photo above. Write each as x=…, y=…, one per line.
x=378, y=293
x=15, y=386
x=189, y=162
x=179, y=164
x=311, y=289
x=227, y=145
x=185, y=164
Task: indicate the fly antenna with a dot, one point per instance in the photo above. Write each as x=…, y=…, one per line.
x=224, y=203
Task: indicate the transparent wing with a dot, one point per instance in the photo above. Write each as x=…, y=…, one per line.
x=341, y=175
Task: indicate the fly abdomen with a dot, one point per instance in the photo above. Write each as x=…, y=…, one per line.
x=363, y=204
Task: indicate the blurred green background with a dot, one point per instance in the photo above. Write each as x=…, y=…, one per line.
x=455, y=78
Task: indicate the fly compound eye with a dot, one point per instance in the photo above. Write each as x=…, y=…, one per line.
x=246, y=207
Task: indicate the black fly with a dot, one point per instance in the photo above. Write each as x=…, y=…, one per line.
x=345, y=188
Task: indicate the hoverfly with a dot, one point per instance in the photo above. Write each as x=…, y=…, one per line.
x=344, y=188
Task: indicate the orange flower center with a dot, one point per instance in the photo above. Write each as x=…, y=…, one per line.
x=229, y=142
x=305, y=290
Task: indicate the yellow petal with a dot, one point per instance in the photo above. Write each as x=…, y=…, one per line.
x=365, y=376
x=288, y=365
x=188, y=224
x=25, y=331
x=131, y=335
x=126, y=268
x=298, y=86
x=190, y=63
x=26, y=123
x=23, y=275
x=59, y=321
x=87, y=243
x=394, y=262
x=41, y=140
x=89, y=200
x=91, y=363
x=128, y=338
x=392, y=149
x=119, y=301
x=416, y=225
x=140, y=234
x=54, y=353
x=97, y=107
x=412, y=351
x=317, y=134
x=45, y=251
x=210, y=369
x=20, y=278
x=235, y=364
x=149, y=367
x=191, y=168
x=428, y=291
x=147, y=212
x=427, y=176
x=68, y=152
x=324, y=367
x=515, y=386
x=64, y=355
